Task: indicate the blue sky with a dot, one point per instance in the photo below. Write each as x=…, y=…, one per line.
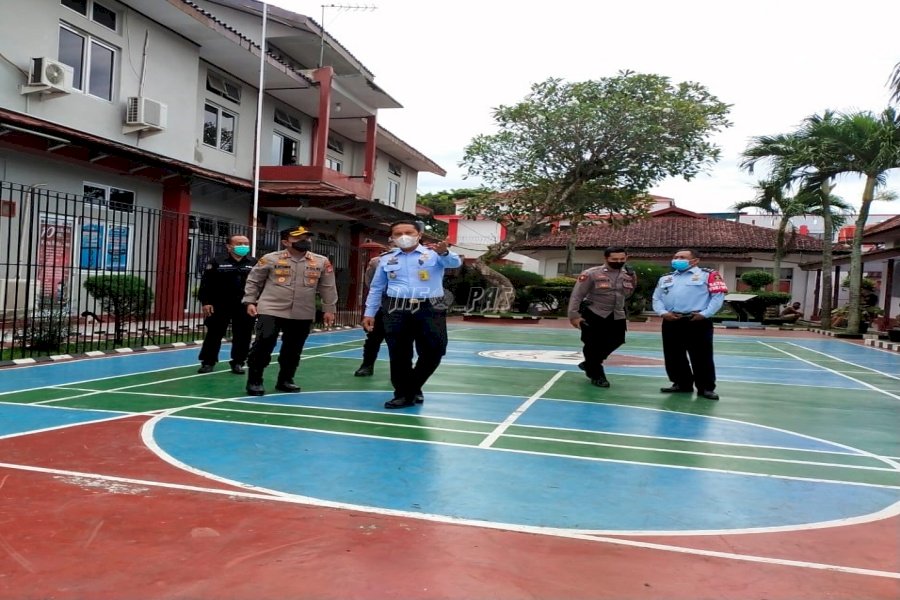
x=450, y=62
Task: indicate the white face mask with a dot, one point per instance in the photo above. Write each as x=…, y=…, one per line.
x=405, y=242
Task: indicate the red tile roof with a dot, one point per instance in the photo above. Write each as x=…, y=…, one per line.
x=671, y=229
x=883, y=227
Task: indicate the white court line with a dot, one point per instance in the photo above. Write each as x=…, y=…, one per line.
x=867, y=369
x=61, y=385
x=502, y=427
x=258, y=493
x=809, y=362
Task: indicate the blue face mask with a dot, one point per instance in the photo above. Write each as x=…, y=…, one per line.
x=241, y=250
x=681, y=264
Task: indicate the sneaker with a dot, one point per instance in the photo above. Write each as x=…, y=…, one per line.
x=206, y=368
x=237, y=368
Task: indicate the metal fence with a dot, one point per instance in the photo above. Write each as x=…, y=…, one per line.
x=84, y=273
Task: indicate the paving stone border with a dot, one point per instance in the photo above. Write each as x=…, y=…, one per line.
x=54, y=358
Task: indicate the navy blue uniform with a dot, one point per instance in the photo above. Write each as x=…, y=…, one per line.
x=222, y=286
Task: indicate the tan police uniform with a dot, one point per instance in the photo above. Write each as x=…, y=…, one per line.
x=285, y=286
x=599, y=298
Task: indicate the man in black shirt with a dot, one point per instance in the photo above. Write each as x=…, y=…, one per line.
x=221, y=291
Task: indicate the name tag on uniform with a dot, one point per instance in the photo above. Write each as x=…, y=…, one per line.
x=423, y=275
x=695, y=278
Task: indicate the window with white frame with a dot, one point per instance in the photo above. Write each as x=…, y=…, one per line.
x=394, y=168
x=95, y=11
x=288, y=120
x=393, y=195
x=335, y=144
x=222, y=86
x=285, y=150
x=334, y=164
x=110, y=197
x=219, y=127
x=92, y=61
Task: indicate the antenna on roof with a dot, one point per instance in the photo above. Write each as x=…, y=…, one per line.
x=347, y=7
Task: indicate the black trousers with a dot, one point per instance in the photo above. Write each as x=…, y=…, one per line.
x=423, y=327
x=217, y=325
x=293, y=336
x=373, y=340
x=601, y=337
x=686, y=339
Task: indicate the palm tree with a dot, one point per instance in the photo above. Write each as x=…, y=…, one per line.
x=797, y=159
x=771, y=198
x=868, y=145
x=894, y=84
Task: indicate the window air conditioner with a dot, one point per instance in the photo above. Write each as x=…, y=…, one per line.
x=144, y=114
x=48, y=75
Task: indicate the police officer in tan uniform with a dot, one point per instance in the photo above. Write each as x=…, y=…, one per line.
x=597, y=308
x=281, y=292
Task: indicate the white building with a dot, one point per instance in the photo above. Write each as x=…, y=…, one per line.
x=129, y=106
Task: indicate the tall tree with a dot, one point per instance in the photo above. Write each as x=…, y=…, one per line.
x=772, y=198
x=797, y=158
x=622, y=134
x=894, y=84
x=867, y=145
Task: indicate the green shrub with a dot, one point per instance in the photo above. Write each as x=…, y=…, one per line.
x=521, y=282
x=554, y=294
x=122, y=296
x=758, y=280
x=757, y=305
x=648, y=275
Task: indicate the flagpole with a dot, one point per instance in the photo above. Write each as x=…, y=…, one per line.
x=259, y=107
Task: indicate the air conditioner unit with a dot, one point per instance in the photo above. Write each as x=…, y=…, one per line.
x=48, y=76
x=144, y=114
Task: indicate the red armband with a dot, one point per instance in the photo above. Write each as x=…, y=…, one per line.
x=715, y=284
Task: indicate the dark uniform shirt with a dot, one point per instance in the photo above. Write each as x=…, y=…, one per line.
x=605, y=291
x=222, y=282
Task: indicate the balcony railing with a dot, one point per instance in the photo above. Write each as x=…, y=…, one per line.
x=295, y=174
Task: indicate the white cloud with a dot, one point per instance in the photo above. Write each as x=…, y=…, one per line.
x=777, y=61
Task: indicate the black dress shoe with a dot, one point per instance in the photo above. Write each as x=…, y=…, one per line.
x=206, y=368
x=675, y=389
x=364, y=371
x=400, y=402
x=255, y=389
x=419, y=398
x=708, y=394
x=237, y=368
x=600, y=382
x=287, y=386
x=582, y=365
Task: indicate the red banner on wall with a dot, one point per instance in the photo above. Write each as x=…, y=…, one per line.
x=54, y=255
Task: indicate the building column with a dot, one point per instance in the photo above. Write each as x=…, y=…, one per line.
x=835, y=286
x=323, y=76
x=888, y=288
x=371, y=136
x=171, y=252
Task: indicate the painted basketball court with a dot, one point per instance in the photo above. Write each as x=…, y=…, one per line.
x=134, y=477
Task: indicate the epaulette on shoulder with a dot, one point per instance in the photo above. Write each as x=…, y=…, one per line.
x=707, y=269
x=670, y=273
x=386, y=252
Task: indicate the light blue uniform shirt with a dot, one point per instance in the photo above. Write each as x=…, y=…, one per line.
x=415, y=274
x=687, y=292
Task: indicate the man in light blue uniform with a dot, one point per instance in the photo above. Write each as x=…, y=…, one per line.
x=686, y=298
x=408, y=288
